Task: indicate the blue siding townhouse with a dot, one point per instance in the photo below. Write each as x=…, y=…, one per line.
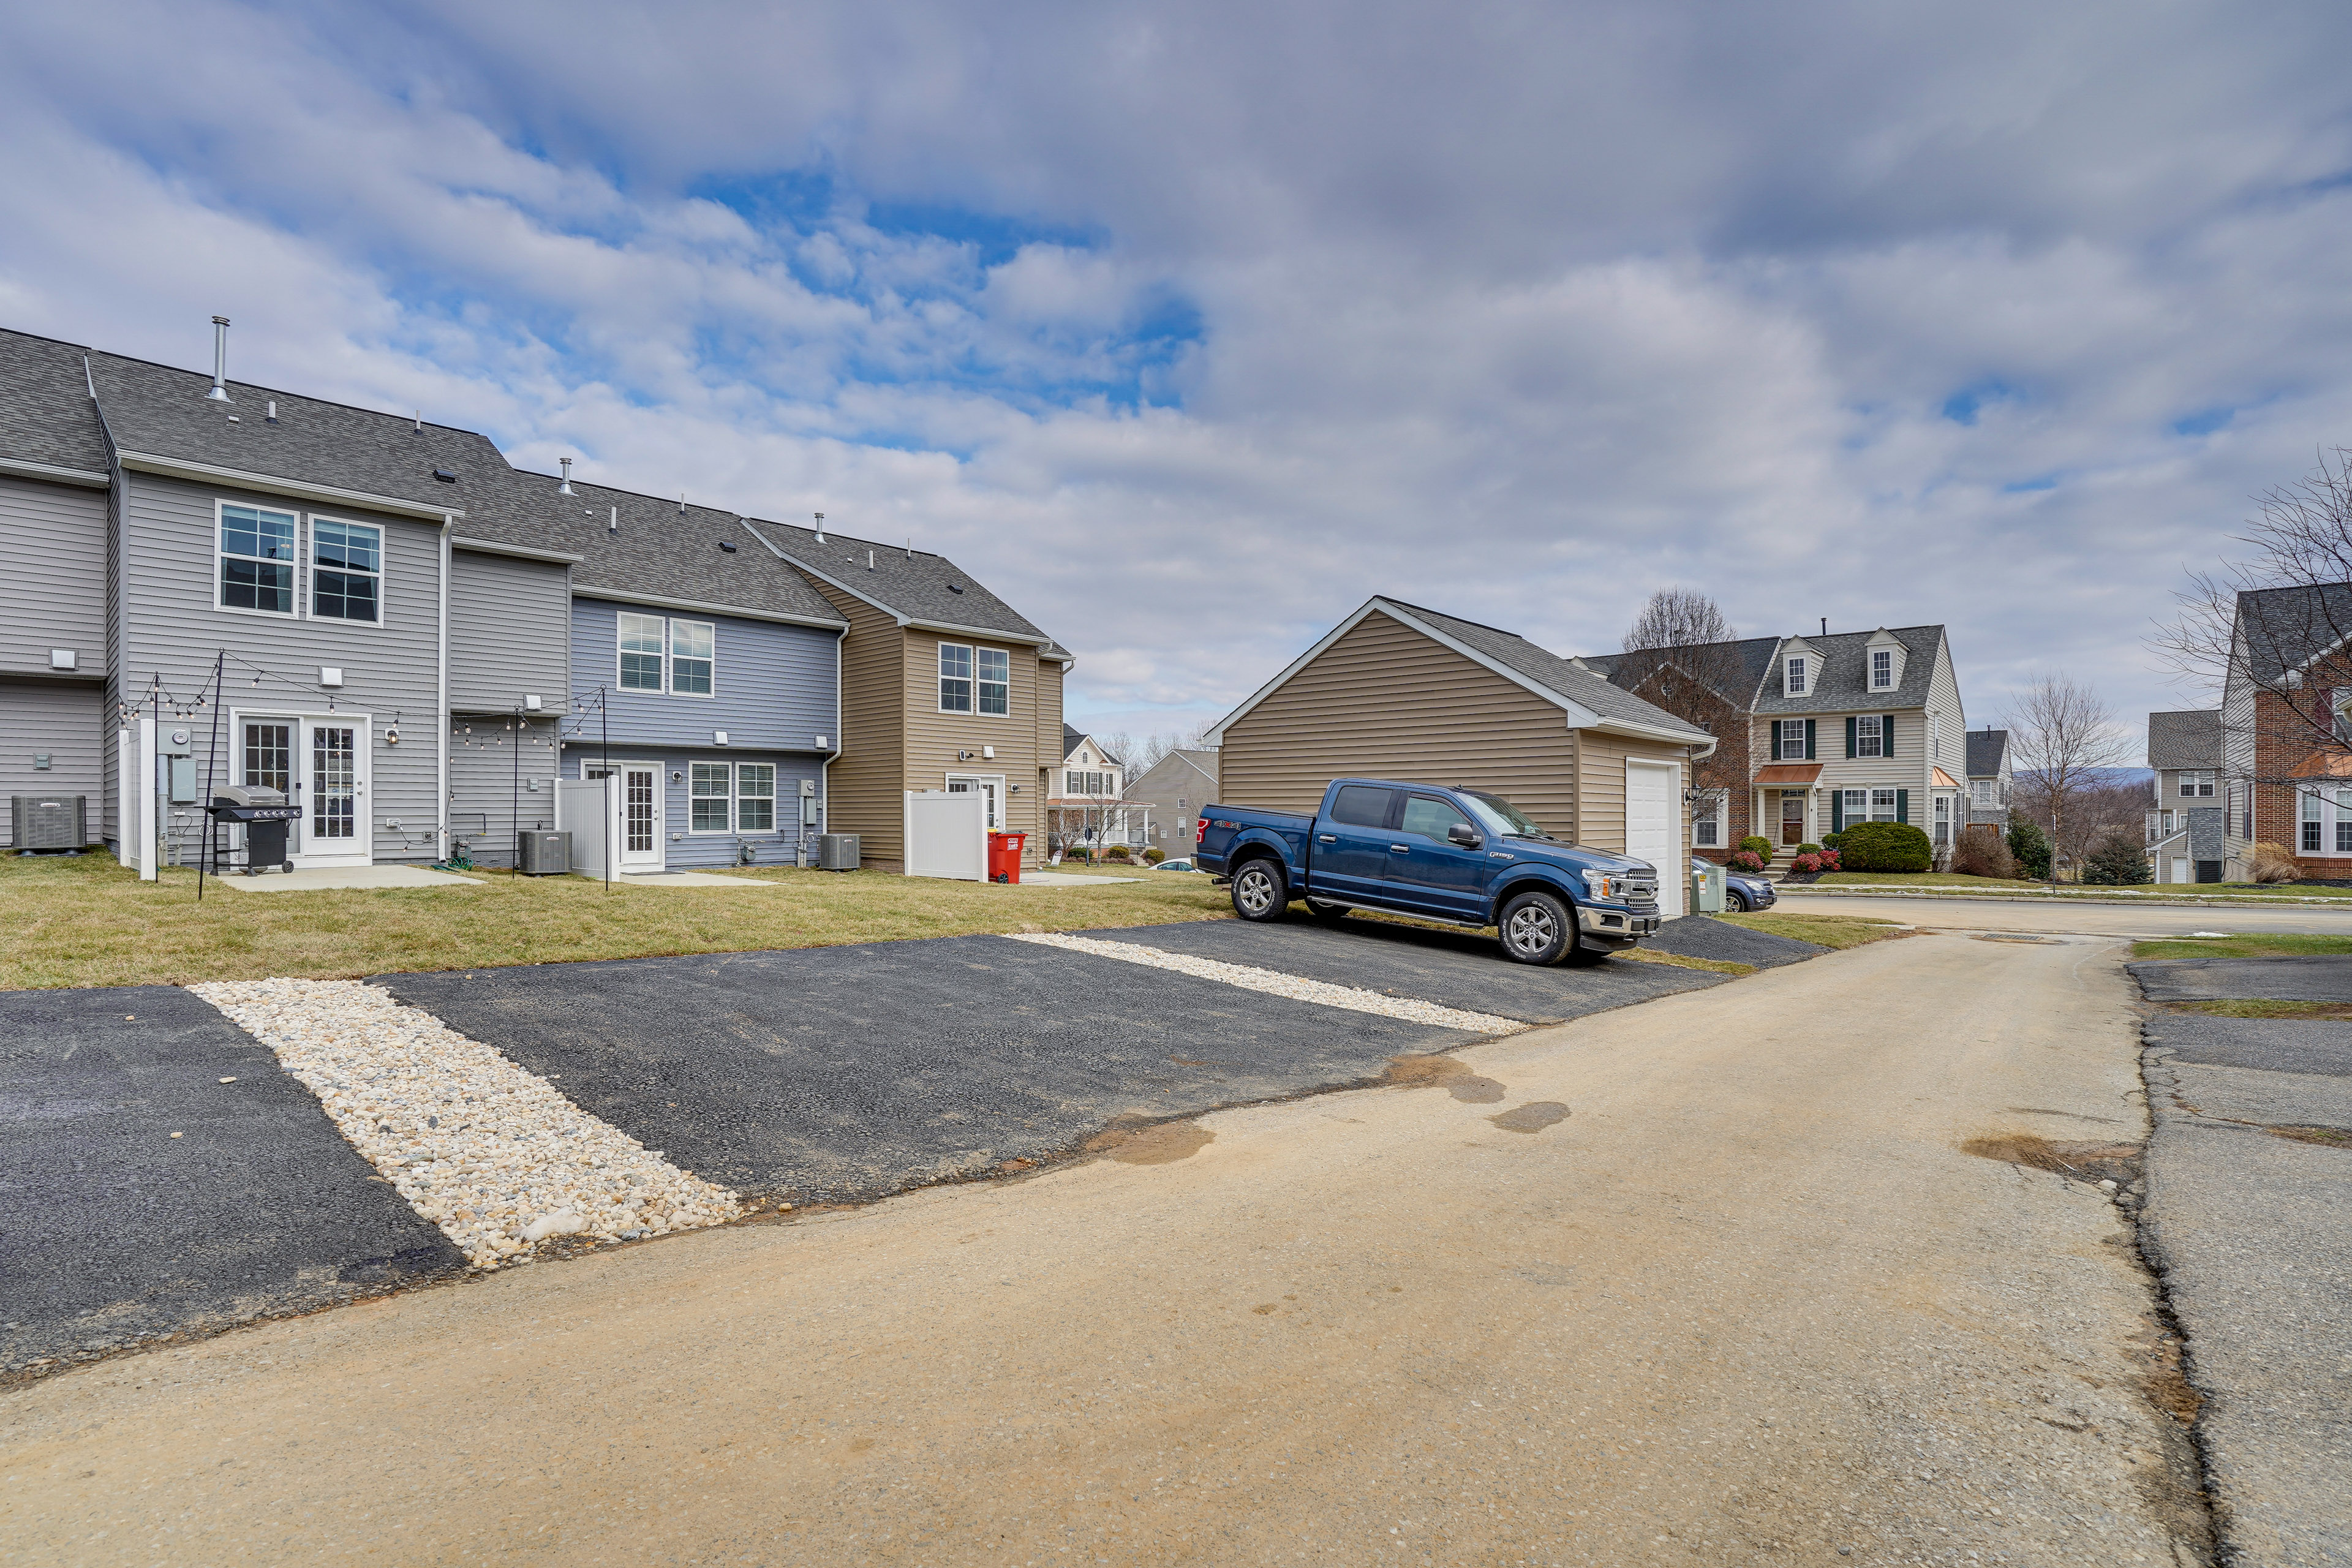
x=417, y=639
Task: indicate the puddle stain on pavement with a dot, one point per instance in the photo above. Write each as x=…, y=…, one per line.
x=1533, y=1117
x=1161, y=1143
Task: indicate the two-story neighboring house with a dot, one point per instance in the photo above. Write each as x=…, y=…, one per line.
x=210, y=582
x=1086, y=803
x=1174, y=790
x=2185, y=830
x=1990, y=778
x=944, y=686
x=697, y=672
x=1850, y=727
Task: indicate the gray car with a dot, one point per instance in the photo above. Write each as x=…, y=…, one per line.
x=1743, y=893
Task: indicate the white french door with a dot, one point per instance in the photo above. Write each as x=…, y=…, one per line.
x=990, y=785
x=320, y=761
x=638, y=819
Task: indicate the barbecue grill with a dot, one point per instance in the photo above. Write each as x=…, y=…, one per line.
x=264, y=814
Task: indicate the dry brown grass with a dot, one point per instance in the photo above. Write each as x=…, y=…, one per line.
x=88, y=921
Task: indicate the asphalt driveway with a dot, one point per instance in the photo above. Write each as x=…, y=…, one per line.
x=139, y=1194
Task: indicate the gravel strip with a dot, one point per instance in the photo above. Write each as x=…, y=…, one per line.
x=494, y=1155
x=1278, y=984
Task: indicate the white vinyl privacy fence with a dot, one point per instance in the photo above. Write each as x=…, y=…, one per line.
x=947, y=835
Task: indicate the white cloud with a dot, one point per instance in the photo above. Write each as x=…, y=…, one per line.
x=1188, y=332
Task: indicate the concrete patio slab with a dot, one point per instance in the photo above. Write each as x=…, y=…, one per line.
x=322, y=879
x=684, y=879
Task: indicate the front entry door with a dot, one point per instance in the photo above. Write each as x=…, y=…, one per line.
x=1792, y=818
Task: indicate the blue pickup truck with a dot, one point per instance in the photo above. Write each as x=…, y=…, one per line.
x=1449, y=854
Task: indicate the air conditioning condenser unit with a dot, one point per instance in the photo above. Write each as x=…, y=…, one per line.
x=836, y=852
x=46, y=821
x=541, y=853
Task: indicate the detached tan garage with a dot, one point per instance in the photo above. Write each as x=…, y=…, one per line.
x=1399, y=691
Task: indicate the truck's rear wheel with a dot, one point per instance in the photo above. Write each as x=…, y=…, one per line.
x=1261, y=890
x=1536, y=928
x=1331, y=914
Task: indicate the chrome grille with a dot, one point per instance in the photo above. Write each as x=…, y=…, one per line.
x=1639, y=891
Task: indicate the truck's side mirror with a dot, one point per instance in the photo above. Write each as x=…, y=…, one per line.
x=1465, y=835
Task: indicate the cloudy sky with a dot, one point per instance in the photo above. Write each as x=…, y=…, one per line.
x=1187, y=328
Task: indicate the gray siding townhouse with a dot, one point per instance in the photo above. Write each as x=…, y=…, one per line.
x=1174, y=790
x=1990, y=778
x=415, y=640
x=2187, y=826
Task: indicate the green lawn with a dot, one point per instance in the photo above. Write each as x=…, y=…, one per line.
x=88, y=921
x=2261, y=944
x=1927, y=880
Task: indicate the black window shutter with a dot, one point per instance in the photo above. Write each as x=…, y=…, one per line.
x=1901, y=806
x=1837, y=806
x=1887, y=736
x=1850, y=723
x=1808, y=740
x=1776, y=739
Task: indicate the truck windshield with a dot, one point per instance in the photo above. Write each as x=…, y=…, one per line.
x=1500, y=816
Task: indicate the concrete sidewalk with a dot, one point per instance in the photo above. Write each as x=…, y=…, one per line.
x=2249, y=1220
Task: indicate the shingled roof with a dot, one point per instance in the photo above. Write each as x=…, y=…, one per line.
x=632, y=546
x=2187, y=739
x=1745, y=662
x=47, y=418
x=917, y=586
x=1986, y=750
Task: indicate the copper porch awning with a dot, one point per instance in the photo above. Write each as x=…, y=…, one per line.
x=1785, y=775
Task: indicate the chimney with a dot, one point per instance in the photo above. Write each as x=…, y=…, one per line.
x=219, y=394
x=565, y=487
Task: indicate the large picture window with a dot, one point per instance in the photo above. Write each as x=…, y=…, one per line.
x=256, y=560
x=346, y=570
x=641, y=653
x=955, y=677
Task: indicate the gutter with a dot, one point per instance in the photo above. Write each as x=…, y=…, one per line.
x=25, y=468
x=492, y=547
x=207, y=473
x=629, y=596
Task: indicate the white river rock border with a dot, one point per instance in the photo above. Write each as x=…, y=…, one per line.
x=1275, y=983
x=475, y=1144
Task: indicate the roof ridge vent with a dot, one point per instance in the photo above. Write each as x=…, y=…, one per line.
x=565, y=487
x=219, y=394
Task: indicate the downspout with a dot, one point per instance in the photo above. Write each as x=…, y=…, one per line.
x=441, y=704
x=824, y=767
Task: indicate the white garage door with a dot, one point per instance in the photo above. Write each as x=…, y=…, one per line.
x=1654, y=828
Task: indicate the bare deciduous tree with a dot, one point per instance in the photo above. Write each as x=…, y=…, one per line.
x=1680, y=654
x=2279, y=623
x=2063, y=739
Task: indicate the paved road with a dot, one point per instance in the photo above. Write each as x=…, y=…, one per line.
x=2107, y=920
x=142, y=1195
x=1750, y=1301
x=2253, y=1236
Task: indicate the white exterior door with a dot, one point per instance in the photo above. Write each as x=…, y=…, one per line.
x=989, y=787
x=1653, y=828
x=2180, y=868
x=321, y=762
x=639, y=841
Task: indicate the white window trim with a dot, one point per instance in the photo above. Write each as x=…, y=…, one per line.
x=220, y=553
x=1780, y=739
x=774, y=797
x=691, y=830
x=308, y=571
x=1003, y=807
x=940, y=679
x=1798, y=666
x=667, y=688
x=1892, y=675
x=1721, y=800
x=977, y=710
x=1877, y=718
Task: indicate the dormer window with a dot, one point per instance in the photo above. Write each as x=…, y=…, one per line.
x=1882, y=669
x=1796, y=686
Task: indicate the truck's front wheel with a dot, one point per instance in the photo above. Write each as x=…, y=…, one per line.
x=1261, y=891
x=1537, y=928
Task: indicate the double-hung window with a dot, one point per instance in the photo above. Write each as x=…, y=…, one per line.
x=995, y=682
x=1796, y=686
x=1882, y=669
x=1791, y=747
x=1882, y=805
x=346, y=570
x=1981, y=792
x=2344, y=822
x=641, y=652
x=955, y=677
x=256, y=560
x=2197, y=784
x=1706, y=821
x=2310, y=842
x=740, y=797
x=662, y=654
x=1087, y=781
x=1869, y=736
x=1858, y=805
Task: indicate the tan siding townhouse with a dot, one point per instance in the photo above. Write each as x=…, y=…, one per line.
x=943, y=686
x=1400, y=691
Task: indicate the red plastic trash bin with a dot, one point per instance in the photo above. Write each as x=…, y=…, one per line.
x=1005, y=856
